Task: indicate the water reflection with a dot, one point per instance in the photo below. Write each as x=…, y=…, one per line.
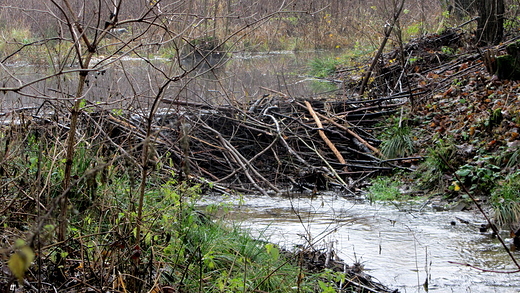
x=400, y=247
x=134, y=82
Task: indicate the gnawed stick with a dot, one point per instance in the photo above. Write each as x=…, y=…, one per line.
x=355, y=135
x=330, y=169
x=280, y=137
x=323, y=135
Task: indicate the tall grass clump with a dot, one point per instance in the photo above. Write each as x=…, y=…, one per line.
x=397, y=141
x=512, y=158
x=398, y=144
x=438, y=161
x=505, y=200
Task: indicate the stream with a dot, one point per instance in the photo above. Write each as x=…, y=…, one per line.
x=400, y=245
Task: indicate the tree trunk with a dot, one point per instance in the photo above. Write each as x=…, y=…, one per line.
x=490, y=28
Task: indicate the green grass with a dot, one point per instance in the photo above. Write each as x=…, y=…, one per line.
x=323, y=67
x=211, y=256
x=505, y=201
x=384, y=189
x=398, y=144
x=227, y=259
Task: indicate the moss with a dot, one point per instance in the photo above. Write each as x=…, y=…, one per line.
x=508, y=67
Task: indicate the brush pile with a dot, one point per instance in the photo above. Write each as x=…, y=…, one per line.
x=281, y=144
x=274, y=145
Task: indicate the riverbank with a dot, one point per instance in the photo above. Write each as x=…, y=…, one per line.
x=457, y=136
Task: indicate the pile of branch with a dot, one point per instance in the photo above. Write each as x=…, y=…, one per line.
x=279, y=144
x=274, y=145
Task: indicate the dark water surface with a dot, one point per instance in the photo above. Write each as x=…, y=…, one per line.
x=132, y=83
x=399, y=245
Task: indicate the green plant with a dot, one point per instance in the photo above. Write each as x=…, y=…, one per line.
x=481, y=175
x=441, y=158
x=326, y=288
x=201, y=255
x=227, y=259
x=412, y=60
x=323, y=67
x=168, y=52
x=512, y=23
x=415, y=29
x=495, y=118
x=398, y=144
x=505, y=200
x=448, y=50
x=20, y=35
x=514, y=159
x=384, y=189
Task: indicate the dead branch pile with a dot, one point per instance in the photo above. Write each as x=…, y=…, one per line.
x=282, y=144
x=275, y=144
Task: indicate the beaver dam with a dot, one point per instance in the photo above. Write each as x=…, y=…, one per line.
x=273, y=145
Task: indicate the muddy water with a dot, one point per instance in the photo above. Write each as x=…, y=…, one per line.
x=402, y=246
